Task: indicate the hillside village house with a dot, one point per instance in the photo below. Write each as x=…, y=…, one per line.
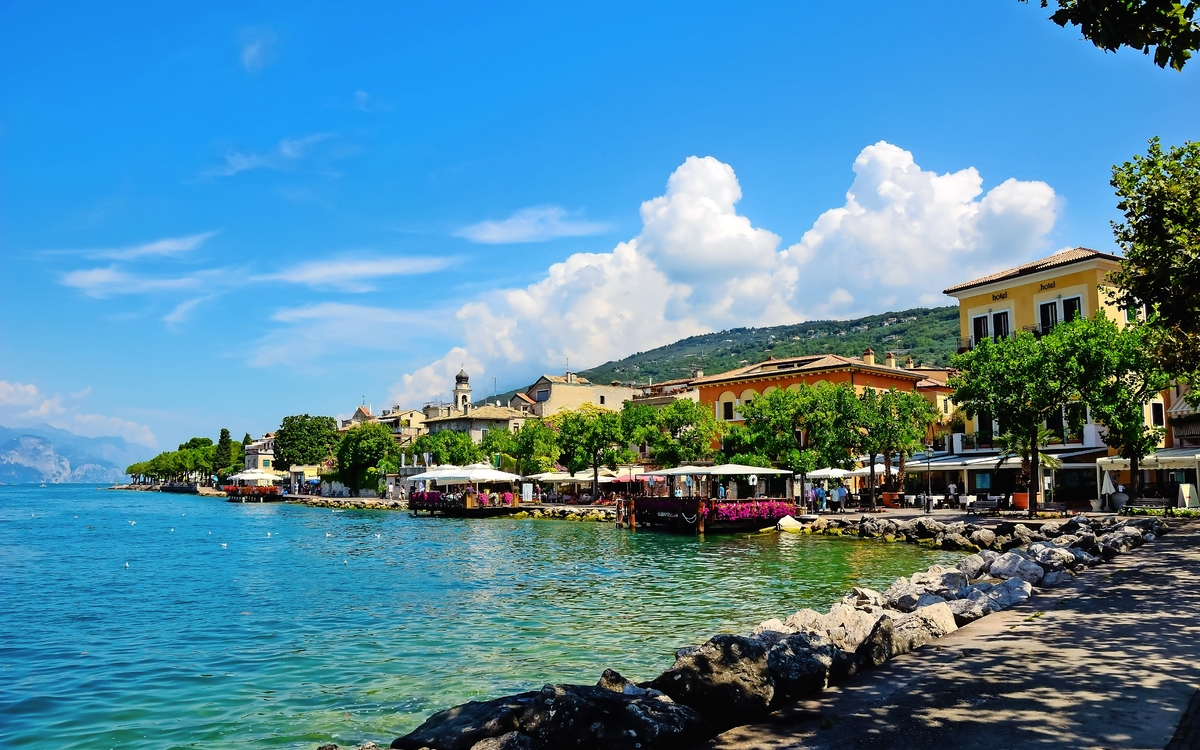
x=725, y=392
x=460, y=415
x=551, y=394
x=1034, y=298
x=261, y=453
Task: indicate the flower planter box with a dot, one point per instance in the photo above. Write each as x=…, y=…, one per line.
x=1021, y=500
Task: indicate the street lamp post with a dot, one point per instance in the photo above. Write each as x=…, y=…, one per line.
x=929, y=475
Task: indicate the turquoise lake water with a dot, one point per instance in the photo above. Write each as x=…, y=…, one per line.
x=263, y=626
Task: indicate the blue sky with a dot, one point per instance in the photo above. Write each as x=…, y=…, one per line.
x=215, y=216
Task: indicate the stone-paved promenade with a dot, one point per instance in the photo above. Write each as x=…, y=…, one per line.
x=1110, y=660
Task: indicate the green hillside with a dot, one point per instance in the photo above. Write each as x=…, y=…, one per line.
x=928, y=335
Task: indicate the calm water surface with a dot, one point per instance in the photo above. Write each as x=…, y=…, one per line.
x=284, y=626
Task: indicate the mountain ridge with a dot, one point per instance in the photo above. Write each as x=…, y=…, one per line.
x=41, y=453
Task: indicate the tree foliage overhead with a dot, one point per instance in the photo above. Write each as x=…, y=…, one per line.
x=1160, y=237
x=535, y=447
x=589, y=437
x=360, y=452
x=1121, y=376
x=448, y=447
x=1021, y=381
x=305, y=440
x=1168, y=27
x=685, y=432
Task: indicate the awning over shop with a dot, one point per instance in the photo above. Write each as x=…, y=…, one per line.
x=1167, y=458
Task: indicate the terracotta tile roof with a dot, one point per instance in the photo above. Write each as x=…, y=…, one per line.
x=1063, y=258
x=928, y=383
x=523, y=397
x=482, y=412
x=579, y=380
x=809, y=363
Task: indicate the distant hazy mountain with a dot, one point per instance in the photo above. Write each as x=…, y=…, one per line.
x=47, y=454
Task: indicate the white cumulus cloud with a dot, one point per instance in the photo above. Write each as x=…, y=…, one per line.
x=357, y=274
x=434, y=381
x=536, y=224
x=257, y=49
x=901, y=236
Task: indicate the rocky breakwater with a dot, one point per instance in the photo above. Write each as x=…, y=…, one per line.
x=356, y=503
x=571, y=513
x=735, y=679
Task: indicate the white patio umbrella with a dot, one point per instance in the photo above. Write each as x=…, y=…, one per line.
x=436, y=473
x=830, y=473
x=254, y=474
x=1108, y=488
x=866, y=471
x=470, y=475
x=679, y=471
x=739, y=470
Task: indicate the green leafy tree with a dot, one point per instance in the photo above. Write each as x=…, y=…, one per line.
x=874, y=429
x=224, y=455
x=1021, y=381
x=1160, y=238
x=196, y=442
x=776, y=425
x=1121, y=375
x=304, y=440
x=687, y=431
x=499, y=442
x=360, y=452
x=1168, y=27
x=448, y=447
x=535, y=447
x=907, y=417
x=247, y=440
x=589, y=437
x=640, y=424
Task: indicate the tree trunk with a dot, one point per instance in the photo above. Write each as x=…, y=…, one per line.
x=1035, y=465
x=1135, y=478
x=887, y=471
x=872, y=480
x=902, y=479
x=595, y=478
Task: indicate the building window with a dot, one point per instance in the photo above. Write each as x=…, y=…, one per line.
x=979, y=328
x=727, y=410
x=983, y=480
x=266, y=462
x=945, y=406
x=1157, y=416
x=542, y=395
x=1048, y=312
x=1072, y=308
x=602, y=401
x=1000, y=325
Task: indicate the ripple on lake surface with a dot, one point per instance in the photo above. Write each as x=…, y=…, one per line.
x=352, y=625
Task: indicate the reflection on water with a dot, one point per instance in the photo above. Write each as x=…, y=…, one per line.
x=352, y=625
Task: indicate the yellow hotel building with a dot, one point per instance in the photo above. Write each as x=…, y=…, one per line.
x=1034, y=298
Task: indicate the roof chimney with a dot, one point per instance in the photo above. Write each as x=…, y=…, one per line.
x=869, y=356
x=570, y=377
x=889, y=359
x=909, y=364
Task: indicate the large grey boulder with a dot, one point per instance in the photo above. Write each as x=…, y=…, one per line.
x=969, y=609
x=845, y=626
x=772, y=626
x=1004, y=595
x=927, y=528
x=973, y=566
x=864, y=599
x=805, y=619
x=726, y=679
x=879, y=645
x=982, y=537
x=1085, y=559
x=922, y=626
x=1011, y=565
x=1122, y=541
x=461, y=727
x=585, y=717
x=1055, y=578
x=800, y=664
x=948, y=583
x=958, y=542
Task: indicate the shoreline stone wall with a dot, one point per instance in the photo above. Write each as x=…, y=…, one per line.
x=734, y=679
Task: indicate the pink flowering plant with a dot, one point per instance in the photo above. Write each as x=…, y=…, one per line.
x=753, y=510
